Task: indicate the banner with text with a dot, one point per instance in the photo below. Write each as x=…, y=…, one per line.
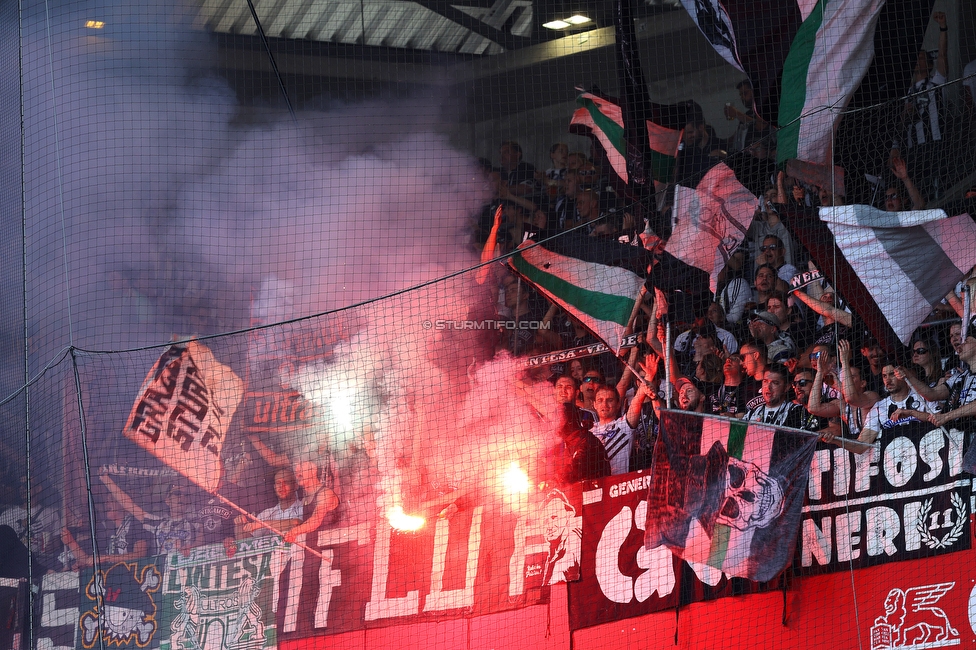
x=904, y=499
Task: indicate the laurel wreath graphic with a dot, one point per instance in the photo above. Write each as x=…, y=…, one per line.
x=949, y=538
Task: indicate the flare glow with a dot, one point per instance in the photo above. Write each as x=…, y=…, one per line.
x=400, y=520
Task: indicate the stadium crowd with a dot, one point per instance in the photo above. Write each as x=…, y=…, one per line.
x=757, y=348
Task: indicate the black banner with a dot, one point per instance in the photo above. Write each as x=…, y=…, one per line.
x=620, y=578
x=904, y=499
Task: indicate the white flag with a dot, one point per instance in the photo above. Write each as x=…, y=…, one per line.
x=183, y=411
x=711, y=221
x=908, y=261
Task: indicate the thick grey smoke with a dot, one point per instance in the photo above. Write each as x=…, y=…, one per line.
x=154, y=210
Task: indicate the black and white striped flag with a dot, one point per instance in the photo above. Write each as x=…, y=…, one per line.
x=908, y=261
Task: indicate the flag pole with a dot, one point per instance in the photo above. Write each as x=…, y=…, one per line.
x=265, y=524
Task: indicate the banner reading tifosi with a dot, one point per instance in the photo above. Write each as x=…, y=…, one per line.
x=906, y=499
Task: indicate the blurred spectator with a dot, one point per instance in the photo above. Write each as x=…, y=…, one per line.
x=518, y=174
x=729, y=399
x=803, y=385
x=614, y=430
x=592, y=380
x=925, y=116
x=699, y=151
x=894, y=198
x=776, y=408
x=171, y=533
x=688, y=396
x=754, y=363
x=751, y=127
x=283, y=516
x=765, y=327
x=901, y=406
x=320, y=505
x=764, y=225
x=773, y=252
x=120, y=537
x=558, y=154
x=579, y=455
x=767, y=282
x=734, y=290
x=875, y=357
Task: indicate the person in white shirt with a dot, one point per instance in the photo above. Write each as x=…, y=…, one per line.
x=616, y=431
x=282, y=517
x=902, y=406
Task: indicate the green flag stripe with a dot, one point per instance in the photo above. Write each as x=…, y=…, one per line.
x=720, y=546
x=735, y=445
x=601, y=306
x=737, y=439
x=613, y=131
x=662, y=166
x=795, y=69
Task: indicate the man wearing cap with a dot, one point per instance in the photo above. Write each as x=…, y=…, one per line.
x=764, y=327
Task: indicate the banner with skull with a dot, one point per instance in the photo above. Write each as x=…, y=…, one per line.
x=727, y=493
x=120, y=606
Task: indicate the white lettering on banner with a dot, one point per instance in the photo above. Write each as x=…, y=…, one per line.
x=438, y=598
x=639, y=484
x=848, y=523
x=379, y=606
x=279, y=559
x=658, y=562
x=329, y=579
x=882, y=526
x=52, y=616
x=900, y=461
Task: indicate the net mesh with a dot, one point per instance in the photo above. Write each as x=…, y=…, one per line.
x=337, y=324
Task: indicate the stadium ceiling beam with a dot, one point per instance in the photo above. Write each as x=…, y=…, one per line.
x=506, y=39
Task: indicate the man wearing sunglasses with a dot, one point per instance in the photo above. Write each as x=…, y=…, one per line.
x=773, y=252
x=802, y=387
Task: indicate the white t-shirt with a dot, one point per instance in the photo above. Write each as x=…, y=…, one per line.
x=277, y=513
x=618, y=439
x=880, y=419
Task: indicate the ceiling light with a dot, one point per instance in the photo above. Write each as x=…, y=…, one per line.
x=556, y=24
x=94, y=24
x=577, y=20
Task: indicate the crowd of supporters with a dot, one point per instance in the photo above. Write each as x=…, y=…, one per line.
x=757, y=348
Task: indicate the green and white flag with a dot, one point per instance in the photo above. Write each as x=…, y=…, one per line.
x=827, y=60
x=601, y=297
x=728, y=493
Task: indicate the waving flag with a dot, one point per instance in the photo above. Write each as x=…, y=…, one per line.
x=183, y=411
x=728, y=493
x=804, y=58
x=602, y=119
x=599, y=296
x=711, y=221
x=907, y=261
